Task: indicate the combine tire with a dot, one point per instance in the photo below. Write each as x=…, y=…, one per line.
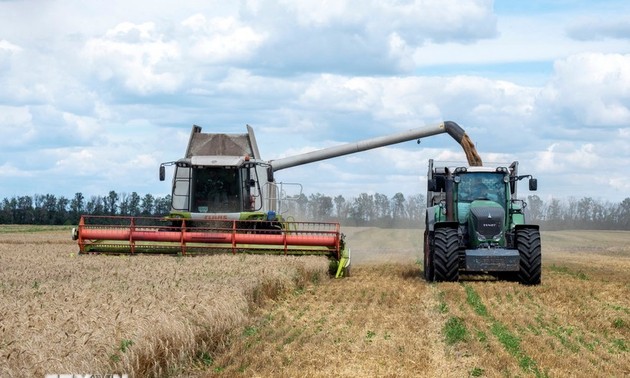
x=528, y=244
x=429, y=274
x=445, y=255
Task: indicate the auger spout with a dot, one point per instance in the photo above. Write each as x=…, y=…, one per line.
x=452, y=128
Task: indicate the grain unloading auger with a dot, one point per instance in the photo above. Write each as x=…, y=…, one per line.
x=225, y=199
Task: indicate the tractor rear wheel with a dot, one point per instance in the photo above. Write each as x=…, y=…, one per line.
x=528, y=244
x=445, y=254
x=429, y=274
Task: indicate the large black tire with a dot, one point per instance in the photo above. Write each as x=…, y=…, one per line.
x=528, y=244
x=429, y=274
x=445, y=254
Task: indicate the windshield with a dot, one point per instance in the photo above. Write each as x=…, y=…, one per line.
x=481, y=185
x=216, y=190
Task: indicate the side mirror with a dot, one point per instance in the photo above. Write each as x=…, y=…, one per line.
x=533, y=184
x=432, y=185
x=162, y=173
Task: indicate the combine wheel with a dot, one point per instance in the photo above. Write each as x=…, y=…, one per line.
x=445, y=255
x=429, y=274
x=528, y=244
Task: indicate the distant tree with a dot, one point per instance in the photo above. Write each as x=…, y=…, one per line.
x=302, y=205
x=554, y=214
x=320, y=206
x=48, y=209
x=584, y=213
x=147, y=204
x=399, y=211
x=25, y=211
x=382, y=210
x=61, y=213
x=362, y=210
x=95, y=206
x=340, y=209
x=624, y=214
x=535, y=209
x=570, y=216
x=77, y=207
x=123, y=204
x=416, y=205
x=111, y=202
x=134, y=204
x=162, y=206
x=9, y=210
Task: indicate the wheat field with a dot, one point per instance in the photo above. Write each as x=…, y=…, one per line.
x=274, y=316
x=142, y=315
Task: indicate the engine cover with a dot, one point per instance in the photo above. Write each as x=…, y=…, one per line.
x=486, y=220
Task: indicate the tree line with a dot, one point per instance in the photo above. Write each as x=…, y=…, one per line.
x=364, y=210
x=49, y=209
x=401, y=212
x=583, y=214
x=377, y=210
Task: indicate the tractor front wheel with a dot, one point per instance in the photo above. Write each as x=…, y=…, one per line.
x=445, y=254
x=528, y=244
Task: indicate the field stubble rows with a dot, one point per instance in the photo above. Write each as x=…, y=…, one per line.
x=270, y=316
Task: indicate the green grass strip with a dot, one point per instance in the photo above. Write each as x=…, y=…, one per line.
x=565, y=270
x=15, y=228
x=474, y=300
x=511, y=343
x=455, y=330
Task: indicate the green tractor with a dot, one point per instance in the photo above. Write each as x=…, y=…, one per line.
x=475, y=224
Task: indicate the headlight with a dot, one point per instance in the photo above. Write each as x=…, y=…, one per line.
x=497, y=237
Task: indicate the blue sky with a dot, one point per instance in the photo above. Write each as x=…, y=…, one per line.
x=93, y=96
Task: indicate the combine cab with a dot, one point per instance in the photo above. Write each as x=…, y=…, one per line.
x=225, y=199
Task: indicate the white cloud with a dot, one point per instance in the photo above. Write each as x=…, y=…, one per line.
x=222, y=40
x=80, y=126
x=81, y=162
x=136, y=54
x=592, y=87
x=352, y=36
x=6, y=46
x=318, y=13
x=570, y=157
x=10, y=172
x=16, y=126
x=411, y=101
x=620, y=183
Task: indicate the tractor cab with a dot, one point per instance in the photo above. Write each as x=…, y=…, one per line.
x=481, y=185
x=480, y=195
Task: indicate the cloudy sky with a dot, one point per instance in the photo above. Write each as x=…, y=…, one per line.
x=94, y=95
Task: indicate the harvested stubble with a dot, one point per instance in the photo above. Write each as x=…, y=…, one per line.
x=141, y=315
x=385, y=320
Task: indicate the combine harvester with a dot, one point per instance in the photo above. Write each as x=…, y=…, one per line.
x=225, y=199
